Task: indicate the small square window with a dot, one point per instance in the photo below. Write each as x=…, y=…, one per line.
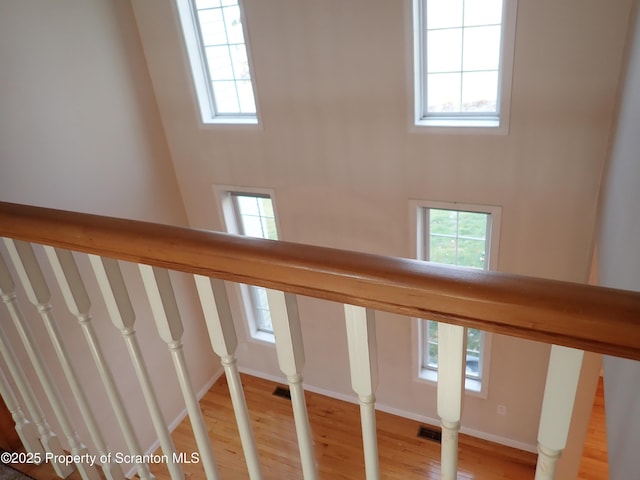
x=463, y=60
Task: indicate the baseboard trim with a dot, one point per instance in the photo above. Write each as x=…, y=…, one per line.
x=471, y=433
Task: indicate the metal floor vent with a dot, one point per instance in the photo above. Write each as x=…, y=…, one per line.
x=282, y=392
x=430, y=434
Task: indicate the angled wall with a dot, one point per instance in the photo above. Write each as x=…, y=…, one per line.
x=336, y=143
x=80, y=130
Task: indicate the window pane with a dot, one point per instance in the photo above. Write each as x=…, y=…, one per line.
x=444, y=13
x=226, y=97
x=443, y=221
x=207, y=4
x=219, y=63
x=433, y=331
x=264, y=321
x=479, y=91
x=212, y=27
x=248, y=205
x=473, y=340
x=260, y=295
x=442, y=250
x=233, y=22
x=482, y=12
x=471, y=253
x=444, y=50
x=443, y=92
x=472, y=224
x=473, y=366
x=252, y=226
x=245, y=96
x=240, y=62
x=432, y=360
x=481, y=48
x=269, y=228
x=265, y=207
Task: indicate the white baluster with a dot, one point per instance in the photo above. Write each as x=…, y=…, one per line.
x=222, y=333
x=361, y=339
x=77, y=300
x=116, y=297
x=451, y=374
x=38, y=293
x=290, y=352
x=24, y=428
x=557, y=407
x=165, y=312
x=48, y=438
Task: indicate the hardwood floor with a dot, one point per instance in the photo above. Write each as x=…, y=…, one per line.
x=595, y=464
x=337, y=438
x=338, y=447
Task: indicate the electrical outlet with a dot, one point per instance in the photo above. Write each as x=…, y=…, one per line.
x=502, y=409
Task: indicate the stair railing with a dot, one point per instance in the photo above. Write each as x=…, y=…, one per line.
x=572, y=317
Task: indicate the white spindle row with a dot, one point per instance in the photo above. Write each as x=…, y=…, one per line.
x=39, y=296
x=564, y=369
x=48, y=438
x=78, y=303
x=116, y=296
x=26, y=430
x=35, y=285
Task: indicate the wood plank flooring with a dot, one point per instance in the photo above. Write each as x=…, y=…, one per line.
x=337, y=439
x=595, y=463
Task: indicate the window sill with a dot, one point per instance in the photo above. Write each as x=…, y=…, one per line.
x=222, y=120
x=472, y=387
x=265, y=337
x=469, y=125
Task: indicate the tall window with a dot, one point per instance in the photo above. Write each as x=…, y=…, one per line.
x=255, y=218
x=251, y=212
x=461, y=236
x=463, y=61
x=217, y=50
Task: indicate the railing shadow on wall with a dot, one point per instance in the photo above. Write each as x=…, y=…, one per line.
x=572, y=317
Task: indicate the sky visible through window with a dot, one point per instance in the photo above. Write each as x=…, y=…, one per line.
x=463, y=39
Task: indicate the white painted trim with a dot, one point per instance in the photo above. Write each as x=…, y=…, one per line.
x=179, y=418
x=508, y=442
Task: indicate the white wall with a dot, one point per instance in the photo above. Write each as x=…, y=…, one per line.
x=80, y=130
x=335, y=142
x=619, y=262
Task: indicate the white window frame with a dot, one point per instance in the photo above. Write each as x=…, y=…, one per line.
x=473, y=387
x=187, y=15
x=230, y=216
x=464, y=122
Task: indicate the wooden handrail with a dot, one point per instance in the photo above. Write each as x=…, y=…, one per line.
x=581, y=316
